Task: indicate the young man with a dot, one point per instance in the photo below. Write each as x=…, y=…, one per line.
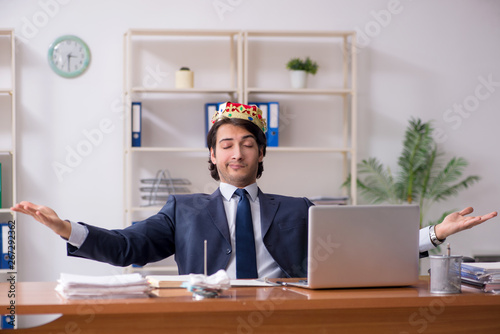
x=237, y=145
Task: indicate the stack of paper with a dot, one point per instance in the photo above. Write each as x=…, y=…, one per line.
x=484, y=275
x=117, y=286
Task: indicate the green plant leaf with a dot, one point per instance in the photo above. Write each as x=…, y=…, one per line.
x=422, y=178
x=378, y=185
x=298, y=64
x=445, y=183
x=413, y=160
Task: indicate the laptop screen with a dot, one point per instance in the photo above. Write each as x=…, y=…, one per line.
x=363, y=245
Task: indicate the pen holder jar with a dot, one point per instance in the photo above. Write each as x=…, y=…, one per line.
x=445, y=273
x=184, y=78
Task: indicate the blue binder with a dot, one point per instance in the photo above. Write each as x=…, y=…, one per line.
x=210, y=109
x=4, y=245
x=1, y=246
x=136, y=124
x=264, y=107
x=6, y=322
x=0, y=185
x=273, y=124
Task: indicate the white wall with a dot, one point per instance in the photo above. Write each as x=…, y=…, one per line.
x=421, y=60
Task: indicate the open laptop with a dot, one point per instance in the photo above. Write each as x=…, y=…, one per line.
x=362, y=246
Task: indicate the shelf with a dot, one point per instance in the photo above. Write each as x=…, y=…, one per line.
x=201, y=33
x=168, y=149
x=295, y=34
x=6, y=211
x=269, y=149
x=185, y=91
x=155, y=208
x=309, y=149
x=5, y=91
x=300, y=91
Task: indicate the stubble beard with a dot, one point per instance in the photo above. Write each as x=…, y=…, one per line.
x=242, y=180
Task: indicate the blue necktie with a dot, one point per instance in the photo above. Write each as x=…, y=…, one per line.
x=246, y=264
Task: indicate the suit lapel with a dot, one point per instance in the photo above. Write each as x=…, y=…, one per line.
x=268, y=207
x=217, y=214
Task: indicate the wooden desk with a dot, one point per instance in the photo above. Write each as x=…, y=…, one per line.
x=265, y=310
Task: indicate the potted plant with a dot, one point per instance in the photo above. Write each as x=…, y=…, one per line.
x=423, y=177
x=299, y=69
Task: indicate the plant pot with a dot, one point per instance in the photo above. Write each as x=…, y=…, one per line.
x=184, y=79
x=298, y=79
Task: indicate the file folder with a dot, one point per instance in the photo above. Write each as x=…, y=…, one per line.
x=210, y=109
x=4, y=232
x=264, y=107
x=1, y=246
x=273, y=125
x=136, y=123
x=6, y=322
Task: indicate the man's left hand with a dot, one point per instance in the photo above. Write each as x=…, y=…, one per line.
x=459, y=221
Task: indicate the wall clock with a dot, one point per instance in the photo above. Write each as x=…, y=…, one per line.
x=69, y=56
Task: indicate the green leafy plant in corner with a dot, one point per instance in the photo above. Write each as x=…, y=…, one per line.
x=423, y=177
x=298, y=64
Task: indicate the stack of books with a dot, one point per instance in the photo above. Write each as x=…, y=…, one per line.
x=167, y=281
x=482, y=275
x=102, y=287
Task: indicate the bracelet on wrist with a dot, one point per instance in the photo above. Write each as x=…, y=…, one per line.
x=432, y=235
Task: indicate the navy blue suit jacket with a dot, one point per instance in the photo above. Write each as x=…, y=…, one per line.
x=183, y=224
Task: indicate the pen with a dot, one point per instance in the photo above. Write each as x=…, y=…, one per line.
x=205, y=257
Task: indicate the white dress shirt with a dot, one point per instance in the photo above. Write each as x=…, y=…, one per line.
x=424, y=240
x=266, y=266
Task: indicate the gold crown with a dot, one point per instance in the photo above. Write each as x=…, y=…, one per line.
x=243, y=111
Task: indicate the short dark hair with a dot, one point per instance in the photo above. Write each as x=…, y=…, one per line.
x=260, y=137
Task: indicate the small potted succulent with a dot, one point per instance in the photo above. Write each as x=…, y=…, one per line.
x=299, y=69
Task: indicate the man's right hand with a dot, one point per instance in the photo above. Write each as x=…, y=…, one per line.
x=46, y=216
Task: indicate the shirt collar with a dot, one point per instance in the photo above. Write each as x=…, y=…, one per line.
x=227, y=190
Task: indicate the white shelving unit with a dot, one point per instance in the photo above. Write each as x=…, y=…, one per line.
x=226, y=67
x=344, y=87
x=165, y=51
x=7, y=126
x=8, y=146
